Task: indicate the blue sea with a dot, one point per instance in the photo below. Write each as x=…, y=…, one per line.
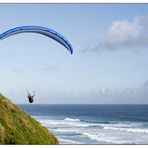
x=93, y=124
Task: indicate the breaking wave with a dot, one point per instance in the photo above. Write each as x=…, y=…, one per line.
x=135, y=130
x=71, y=119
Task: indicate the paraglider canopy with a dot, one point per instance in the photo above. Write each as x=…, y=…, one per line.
x=41, y=30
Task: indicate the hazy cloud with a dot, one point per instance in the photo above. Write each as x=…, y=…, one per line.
x=17, y=71
x=138, y=95
x=145, y=83
x=50, y=68
x=124, y=34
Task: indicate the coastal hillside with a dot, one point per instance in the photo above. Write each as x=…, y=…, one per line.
x=17, y=127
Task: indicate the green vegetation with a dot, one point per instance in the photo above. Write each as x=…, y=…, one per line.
x=17, y=127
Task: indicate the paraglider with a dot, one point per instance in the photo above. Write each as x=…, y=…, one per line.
x=30, y=97
x=40, y=30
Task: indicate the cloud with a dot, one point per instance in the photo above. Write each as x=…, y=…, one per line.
x=124, y=34
x=50, y=68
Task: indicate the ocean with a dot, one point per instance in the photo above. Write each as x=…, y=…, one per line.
x=93, y=124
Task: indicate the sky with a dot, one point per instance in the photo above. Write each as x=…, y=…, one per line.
x=108, y=65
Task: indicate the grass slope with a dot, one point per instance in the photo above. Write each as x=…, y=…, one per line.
x=17, y=127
